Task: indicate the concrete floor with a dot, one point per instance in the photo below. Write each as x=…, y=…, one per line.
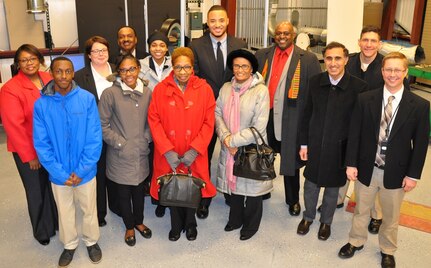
x=275, y=245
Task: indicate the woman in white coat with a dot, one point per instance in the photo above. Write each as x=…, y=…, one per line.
x=242, y=103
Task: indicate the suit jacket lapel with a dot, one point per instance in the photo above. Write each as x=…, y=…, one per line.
x=375, y=107
x=292, y=67
x=406, y=106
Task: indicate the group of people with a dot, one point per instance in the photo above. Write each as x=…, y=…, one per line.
x=104, y=134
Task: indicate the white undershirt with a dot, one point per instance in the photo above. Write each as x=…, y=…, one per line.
x=100, y=81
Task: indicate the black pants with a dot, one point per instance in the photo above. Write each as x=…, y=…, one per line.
x=131, y=203
x=101, y=185
x=182, y=218
x=245, y=212
x=40, y=200
x=207, y=201
x=113, y=202
x=291, y=183
x=291, y=188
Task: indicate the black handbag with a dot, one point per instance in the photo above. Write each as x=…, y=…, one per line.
x=180, y=190
x=255, y=161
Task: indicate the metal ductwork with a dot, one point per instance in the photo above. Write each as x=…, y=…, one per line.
x=36, y=6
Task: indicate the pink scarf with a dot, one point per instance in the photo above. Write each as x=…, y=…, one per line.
x=231, y=114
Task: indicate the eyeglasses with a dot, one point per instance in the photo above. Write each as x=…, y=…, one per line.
x=395, y=71
x=99, y=51
x=283, y=33
x=131, y=70
x=245, y=67
x=28, y=60
x=186, y=68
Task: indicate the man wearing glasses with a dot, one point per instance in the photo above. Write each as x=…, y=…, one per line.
x=286, y=69
x=387, y=146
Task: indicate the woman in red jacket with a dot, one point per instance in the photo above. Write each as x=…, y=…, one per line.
x=181, y=119
x=17, y=99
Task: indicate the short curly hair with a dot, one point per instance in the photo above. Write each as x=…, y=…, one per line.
x=182, y=51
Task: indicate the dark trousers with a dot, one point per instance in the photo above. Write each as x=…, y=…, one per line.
x=182, y=218
x=291, y=188
x=113, y=202
x=101, y=185
x=329, y=202
x=40, y=200
x=291, y=183
x=245, y=212
x=131, y=203
x=207, y=200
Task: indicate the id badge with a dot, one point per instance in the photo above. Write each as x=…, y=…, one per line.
x=383, y=147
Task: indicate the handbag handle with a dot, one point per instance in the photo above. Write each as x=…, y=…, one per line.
x=254, y=131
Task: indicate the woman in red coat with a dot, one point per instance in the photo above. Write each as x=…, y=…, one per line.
x=181, y=119
x=17, y=99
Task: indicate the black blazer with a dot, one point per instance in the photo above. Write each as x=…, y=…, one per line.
x=85, y=80
x=205, y=62
x=140, y=54
x=407, y=143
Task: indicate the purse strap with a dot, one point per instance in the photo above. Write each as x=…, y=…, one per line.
x=254, y=131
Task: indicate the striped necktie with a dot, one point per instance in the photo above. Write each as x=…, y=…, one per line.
x=386, y=118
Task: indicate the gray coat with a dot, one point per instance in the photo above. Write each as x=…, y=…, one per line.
x=123, y=115
x=254, y=111
x=150, y=75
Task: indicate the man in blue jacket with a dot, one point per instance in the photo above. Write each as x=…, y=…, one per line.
x=68, y=141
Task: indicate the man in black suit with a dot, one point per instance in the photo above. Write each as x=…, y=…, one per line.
x=210, y=53
x=367, y=65
x=323, y=136
x=279, y=65
x=127, y=42
x=388, y=141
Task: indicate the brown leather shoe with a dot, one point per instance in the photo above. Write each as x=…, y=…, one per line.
x=324, y=231
x=374, y=226
x=348, y=250
x=303, y=227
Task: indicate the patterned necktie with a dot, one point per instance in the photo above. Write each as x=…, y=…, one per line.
x=386, y=118
x=220, y=63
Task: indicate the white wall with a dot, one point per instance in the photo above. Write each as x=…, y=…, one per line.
x=4, y=40
x=64, y=27
x=345, y=22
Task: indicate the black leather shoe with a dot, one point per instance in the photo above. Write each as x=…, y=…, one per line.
x=202, y=212
x=388, y=261
x=146, y=233
x=247, y=236
x=324, y=231
x=374, y=226
x=229, y=228
x=348, y=250
x=160, y=211
x=44, y=242
x=303, y=227
x=66, y=257
x=130, y=240
x=266, y=196
x=319, y=209
x=295, y=209
x=173, y=236
x=102, y=223
x=191, y=233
